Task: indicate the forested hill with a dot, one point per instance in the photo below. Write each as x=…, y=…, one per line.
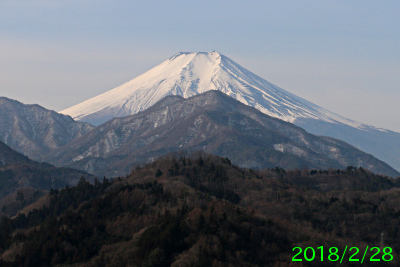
x=200, y=210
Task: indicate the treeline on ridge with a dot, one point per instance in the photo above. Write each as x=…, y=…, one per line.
x=201, y=210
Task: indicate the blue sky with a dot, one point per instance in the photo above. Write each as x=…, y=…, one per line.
x=341, y=55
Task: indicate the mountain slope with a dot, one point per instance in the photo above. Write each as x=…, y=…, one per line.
x=34, y=130
x=383, y=144
x=188, y=74
x=20, y=175
x=212, y=122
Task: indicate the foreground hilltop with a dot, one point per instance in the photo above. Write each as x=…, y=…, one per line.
x=200, y=210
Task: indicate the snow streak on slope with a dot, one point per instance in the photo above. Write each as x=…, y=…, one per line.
x=188, y=74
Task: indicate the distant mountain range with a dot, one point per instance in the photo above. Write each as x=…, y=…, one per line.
x=189, y=74
x=34, y=130
x=164, y=121
x=212, y=122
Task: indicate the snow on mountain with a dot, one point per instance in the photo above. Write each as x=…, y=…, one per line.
x=188, y=74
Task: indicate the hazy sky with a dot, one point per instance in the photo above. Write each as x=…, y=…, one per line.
x=343, y=55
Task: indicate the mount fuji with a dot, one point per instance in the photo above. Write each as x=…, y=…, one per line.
x=188, y=74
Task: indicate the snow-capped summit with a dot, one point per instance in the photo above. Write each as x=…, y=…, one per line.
x=187, y=74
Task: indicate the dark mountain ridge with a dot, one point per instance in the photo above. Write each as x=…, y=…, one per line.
x=18, y=172
x=9, y=156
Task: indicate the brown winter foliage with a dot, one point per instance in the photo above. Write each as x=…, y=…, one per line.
x=200, y=210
